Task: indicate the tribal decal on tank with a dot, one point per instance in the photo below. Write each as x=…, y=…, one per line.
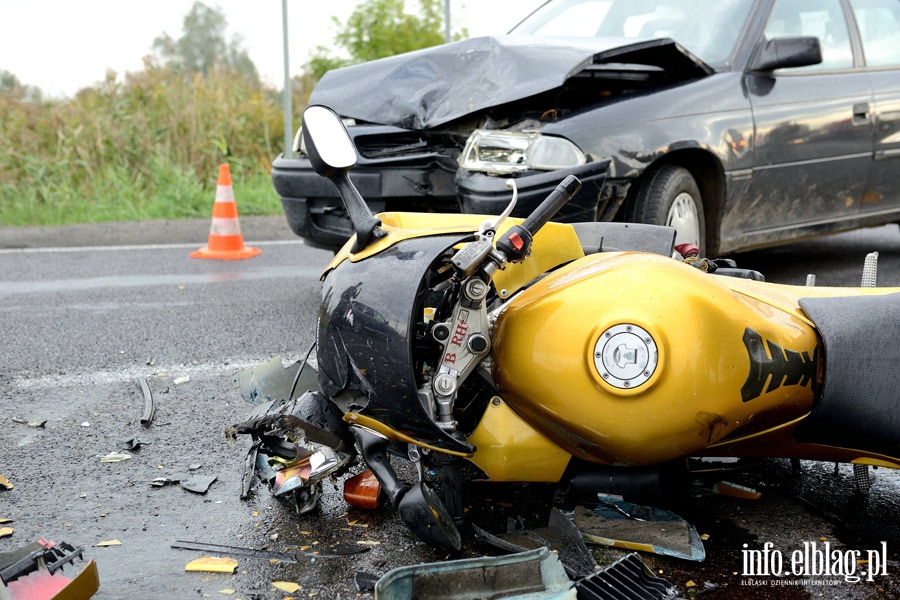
x=785, y=367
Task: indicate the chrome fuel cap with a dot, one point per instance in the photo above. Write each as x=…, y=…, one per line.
x=625, y=356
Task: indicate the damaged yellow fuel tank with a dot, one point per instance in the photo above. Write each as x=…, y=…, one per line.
x=630, y=358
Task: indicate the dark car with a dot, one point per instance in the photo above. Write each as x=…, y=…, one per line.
x=743, y=123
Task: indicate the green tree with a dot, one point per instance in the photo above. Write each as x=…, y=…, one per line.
x=203, y=45
x=11, y=86
x=8, y=81
x=381, y=28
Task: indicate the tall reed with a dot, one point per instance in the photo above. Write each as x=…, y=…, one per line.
x=146, y=147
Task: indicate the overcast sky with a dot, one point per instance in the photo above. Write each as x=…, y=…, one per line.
x=62, y=46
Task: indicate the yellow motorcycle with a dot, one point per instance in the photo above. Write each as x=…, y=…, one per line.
x=587, y=355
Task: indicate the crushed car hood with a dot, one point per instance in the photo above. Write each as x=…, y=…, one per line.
x=430, y=87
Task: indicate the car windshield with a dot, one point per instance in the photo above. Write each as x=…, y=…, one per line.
x=709, y=30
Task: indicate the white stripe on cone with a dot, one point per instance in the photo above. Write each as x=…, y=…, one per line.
x=224, y=193
x=225, y=227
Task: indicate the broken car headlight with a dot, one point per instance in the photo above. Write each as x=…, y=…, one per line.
x=503, y=152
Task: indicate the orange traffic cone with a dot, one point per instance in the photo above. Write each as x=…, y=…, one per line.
x=225, y=239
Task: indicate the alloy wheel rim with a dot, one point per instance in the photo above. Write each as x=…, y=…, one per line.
x=684, y=218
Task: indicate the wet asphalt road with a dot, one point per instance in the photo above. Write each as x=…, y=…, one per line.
x=85, y=311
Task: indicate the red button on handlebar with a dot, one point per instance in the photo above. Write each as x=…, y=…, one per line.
x=516, y=240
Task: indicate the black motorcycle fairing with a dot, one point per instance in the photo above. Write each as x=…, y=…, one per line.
x=366, y=332
x=860, y=403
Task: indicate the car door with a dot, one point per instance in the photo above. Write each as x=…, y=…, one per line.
x=813, y=129
x=878, y=22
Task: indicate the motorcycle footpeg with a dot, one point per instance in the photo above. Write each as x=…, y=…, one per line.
x=424, y=513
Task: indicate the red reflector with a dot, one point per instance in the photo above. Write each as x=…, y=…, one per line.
x=688, y=250
x=516, y=240
x=362, y=490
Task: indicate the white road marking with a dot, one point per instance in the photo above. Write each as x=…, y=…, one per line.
x=135, y=247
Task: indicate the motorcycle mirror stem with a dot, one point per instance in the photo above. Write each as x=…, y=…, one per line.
x=332, y=155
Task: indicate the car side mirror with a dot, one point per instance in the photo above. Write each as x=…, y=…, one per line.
x=786, y=52
x=332, y=154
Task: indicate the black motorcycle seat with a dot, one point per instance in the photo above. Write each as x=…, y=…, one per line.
x=860, y=403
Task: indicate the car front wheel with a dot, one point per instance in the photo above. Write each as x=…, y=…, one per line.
x=670, y=196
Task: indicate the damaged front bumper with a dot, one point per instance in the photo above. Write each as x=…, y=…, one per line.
x=483, y=194
x=397, y=170
x=429, y=182
x=315, y=212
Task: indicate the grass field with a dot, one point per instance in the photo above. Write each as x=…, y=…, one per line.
x=170, y=193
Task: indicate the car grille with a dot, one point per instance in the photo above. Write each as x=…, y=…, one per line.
x=409, y=144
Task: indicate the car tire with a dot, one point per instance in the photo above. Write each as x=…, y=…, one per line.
x=670, y=196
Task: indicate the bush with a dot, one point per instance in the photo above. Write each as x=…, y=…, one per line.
x=145, y=148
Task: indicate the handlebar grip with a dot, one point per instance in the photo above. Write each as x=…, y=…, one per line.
x=516, y=242
x=551, y=204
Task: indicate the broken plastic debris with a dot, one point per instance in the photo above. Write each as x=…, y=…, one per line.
x=269, y=381
x=560, y=536
x=628, y=577
x=538, y=572
x=621, y=524
x=164, y=481
x=6, y=531
x=131, y=444
x=226, y=592
x=199, y=484
x=4, y=483
x=365, y=582
x=85, y=424
x=180, y=380
x=733, y=490
x=287, y=586
x=107, y=544
x=114, y=457
x=212, y=564
x=36, y=571
x=149, y=408
x=37, y=424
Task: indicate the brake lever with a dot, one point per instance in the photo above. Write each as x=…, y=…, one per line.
x=487, y=225
x=472, y=255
